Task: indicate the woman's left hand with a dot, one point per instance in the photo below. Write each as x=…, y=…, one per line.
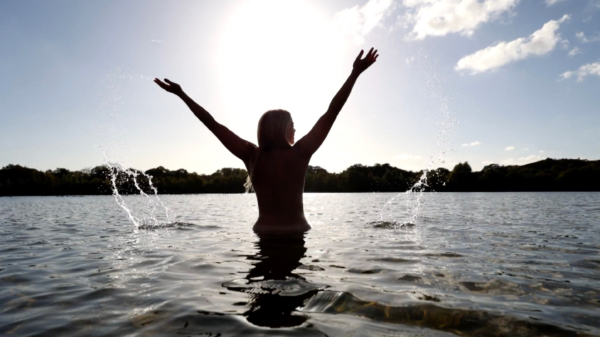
x=171, y=87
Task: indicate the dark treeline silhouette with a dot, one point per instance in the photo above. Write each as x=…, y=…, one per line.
x=545, y=175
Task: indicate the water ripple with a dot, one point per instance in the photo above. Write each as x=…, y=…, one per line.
x=505, y=264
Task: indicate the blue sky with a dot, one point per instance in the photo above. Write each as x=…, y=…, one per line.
x=495, y=81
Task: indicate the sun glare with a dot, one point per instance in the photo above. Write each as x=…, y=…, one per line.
x=278, y=54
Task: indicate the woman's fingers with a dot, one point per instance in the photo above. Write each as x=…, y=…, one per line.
x=161, y=84
x=362, y=64
x=372, y=56
x=360, y=55
x=173, y=85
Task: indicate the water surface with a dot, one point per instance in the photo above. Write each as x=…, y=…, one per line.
x=474, y=264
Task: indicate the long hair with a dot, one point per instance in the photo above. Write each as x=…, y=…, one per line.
x=272, y=129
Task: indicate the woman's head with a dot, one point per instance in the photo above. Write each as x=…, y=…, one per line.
x=275, y=130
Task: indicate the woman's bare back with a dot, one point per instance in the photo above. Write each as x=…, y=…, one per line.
x=278, y=181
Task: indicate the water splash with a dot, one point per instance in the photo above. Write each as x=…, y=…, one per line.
x=111, y=140
x=248, y=185
x=153, y=202
x=414, y=198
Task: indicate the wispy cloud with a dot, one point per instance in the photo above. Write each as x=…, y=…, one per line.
x=472, y=144
x=581, y=36
x=553, y=2
x=358, y=21
x=157, y=41
x=583, y=71
x=541, y=42
x=574, y=52
x=510, y=148
x=442, y=17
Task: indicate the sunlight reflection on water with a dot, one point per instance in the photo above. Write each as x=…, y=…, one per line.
x=477, y=264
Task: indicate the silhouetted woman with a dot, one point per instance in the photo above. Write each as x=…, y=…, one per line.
x=277, y=166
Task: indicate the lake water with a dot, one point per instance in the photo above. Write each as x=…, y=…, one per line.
x=475, y=264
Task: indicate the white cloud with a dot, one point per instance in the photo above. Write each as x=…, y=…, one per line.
x=541, y=42
x=526, y=149
x=583, y=71
x=442, y=17
x=542, y=151
x=581, y=36
x=521, y=161
x=510, y=148
x=574, y=51
x=552, y=2
x=472, y=144
x=406, y=156
x=487, y=162
x=356, y=22
x=157, y=41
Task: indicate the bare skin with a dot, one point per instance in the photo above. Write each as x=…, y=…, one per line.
x=278, y=174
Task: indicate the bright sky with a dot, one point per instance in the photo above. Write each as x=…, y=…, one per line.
x=494, y=81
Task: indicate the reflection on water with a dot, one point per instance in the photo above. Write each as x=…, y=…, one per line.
x=506, y=264
x=276, y=294
x=275, y=290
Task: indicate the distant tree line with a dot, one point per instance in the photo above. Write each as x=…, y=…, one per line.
x=545, y=175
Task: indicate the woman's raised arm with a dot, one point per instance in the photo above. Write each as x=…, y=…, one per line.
x=237, y=146
x=310, y=143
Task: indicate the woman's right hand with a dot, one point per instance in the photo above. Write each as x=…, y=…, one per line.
x=171, y=87
x=361, y=65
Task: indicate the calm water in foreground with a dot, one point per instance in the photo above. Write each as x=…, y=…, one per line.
x=496, y=264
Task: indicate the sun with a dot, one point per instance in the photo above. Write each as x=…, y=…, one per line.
x=276, y=54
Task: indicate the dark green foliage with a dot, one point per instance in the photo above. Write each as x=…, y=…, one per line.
x=19, y=180
x=227, y=180
x=437, y=180
x=16, y=180
x=545, y=175
x=461, y=178
x=359, y=178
